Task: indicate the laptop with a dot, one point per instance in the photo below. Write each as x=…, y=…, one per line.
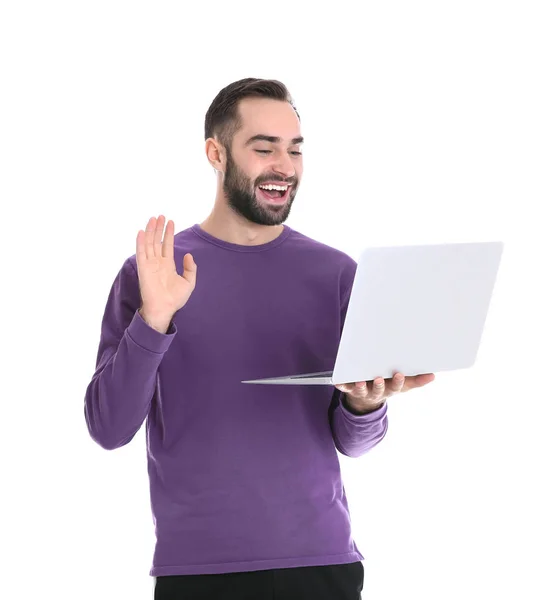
x=413, y=309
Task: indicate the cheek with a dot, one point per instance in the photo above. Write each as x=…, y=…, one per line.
x=253, y=172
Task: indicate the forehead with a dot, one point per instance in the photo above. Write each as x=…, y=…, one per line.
x=268, y=117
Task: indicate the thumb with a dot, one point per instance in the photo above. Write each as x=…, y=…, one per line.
x=189, y=263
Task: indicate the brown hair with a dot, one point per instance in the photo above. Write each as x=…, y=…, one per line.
x=222, y=119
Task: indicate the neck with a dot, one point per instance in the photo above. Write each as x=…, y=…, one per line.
x=239, y=231
x=226, y=225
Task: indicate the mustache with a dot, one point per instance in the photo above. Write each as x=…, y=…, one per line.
x=261, y=180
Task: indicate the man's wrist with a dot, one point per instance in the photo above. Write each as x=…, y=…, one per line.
x=159, y=323
x=359, y=410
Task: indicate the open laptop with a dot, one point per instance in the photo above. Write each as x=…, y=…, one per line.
x=413, y=309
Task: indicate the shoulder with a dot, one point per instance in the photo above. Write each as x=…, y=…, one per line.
x=315, y=249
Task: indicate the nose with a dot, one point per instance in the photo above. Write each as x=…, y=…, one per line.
x=284, y=165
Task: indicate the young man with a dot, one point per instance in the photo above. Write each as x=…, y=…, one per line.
x=245, y=482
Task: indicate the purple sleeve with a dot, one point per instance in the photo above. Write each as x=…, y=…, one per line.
x=118, y=398
x=354, y=435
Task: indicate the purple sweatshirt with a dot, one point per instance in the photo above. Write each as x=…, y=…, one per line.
x=243, y=477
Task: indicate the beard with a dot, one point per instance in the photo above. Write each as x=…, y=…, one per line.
x=240, y=193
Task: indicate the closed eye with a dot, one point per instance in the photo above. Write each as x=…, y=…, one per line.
x=269, y=151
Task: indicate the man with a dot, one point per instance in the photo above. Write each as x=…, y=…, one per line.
x=245, y=482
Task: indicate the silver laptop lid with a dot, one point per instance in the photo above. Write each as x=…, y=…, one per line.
x=416, y=309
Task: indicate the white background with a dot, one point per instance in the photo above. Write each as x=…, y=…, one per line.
x=425, y=121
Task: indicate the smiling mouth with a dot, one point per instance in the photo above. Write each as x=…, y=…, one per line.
x=274, y=196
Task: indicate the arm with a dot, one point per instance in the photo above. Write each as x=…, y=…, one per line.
x=118, y=398
x=354, y=432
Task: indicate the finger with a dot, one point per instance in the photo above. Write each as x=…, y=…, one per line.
x=397, y=382
x=377, y=390
x=140, y=247
x=157, y=245
x=168, y=242
x=424, y=379
x=360, y=389
x=189, y=269
x=343, y=387
x=416, y=381
x=347, y=388
x=411, y=383
x=149, y=237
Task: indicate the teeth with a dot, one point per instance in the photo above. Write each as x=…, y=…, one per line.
x=280, y=188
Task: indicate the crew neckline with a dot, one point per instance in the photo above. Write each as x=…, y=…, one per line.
x=241, y=247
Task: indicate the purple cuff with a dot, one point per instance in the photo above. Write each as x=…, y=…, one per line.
x=147, y=337
x=375, y=415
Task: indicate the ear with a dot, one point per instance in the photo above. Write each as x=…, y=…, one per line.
x=216, y=154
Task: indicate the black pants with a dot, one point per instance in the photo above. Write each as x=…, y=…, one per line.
x=331, y=582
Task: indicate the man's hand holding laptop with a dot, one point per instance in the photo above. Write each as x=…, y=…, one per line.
x=366, y=396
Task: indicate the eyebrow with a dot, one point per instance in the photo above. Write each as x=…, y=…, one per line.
x=272, y=139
